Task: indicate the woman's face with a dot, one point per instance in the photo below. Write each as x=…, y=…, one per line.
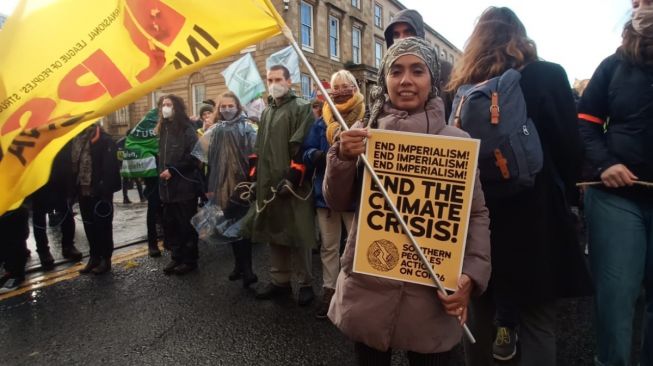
x=409, y=83
x=228, y=102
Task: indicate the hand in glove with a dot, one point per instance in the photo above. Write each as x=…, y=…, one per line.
x=318, y=158
x=292, y=179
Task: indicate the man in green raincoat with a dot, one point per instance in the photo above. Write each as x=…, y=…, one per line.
x=284, y=214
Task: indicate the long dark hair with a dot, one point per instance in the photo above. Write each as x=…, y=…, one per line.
x=179, y=119
x=634, y=48
x=498, y=42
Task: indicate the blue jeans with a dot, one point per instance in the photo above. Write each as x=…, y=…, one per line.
x=621, y=259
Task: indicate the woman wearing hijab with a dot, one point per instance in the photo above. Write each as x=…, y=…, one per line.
x=619, y=212
x=349, y=102
x=231, y=143
x=535, y=253
x=382, y=314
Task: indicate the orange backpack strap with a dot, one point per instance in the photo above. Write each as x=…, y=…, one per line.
x=494, y=109
x=502, y=163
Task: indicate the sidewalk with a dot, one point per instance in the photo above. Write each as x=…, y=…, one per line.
x=128, y=227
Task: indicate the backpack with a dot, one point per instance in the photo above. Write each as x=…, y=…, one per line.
x=494, y=111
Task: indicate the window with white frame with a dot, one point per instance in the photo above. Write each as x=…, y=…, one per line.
x=306, y=86
x=356, y=3
x=378, y=53
x=307, y=26
x=378, y=15
x=334, y=37
x=198, y=95
x=154, y=98
x=356, y=45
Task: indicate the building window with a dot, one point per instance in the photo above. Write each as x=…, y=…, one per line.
x=154, y=98
x=307, y=26
x=451, y=58
x=356, y=3
x=378, y=53
x=306, y=86
x=198, y=95
x=334, y=37
x=437, y=50
x=356, y=45
x=378, y=15
x=122, y=116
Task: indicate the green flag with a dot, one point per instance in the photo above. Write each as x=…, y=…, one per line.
x=141, y=149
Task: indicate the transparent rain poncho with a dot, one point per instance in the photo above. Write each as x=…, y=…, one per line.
x=225, y=148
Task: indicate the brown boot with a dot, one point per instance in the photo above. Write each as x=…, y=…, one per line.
x=323, y=307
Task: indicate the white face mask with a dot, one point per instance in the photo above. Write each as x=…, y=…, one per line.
x=643, y=20
x=277, y=90
x=228, y=113
x=166, y=111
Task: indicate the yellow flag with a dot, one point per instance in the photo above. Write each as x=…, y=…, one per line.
x=65, y=63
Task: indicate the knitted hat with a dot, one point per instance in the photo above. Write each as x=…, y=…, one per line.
x=206, y=108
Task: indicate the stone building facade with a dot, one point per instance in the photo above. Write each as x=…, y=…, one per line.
x=333, y=34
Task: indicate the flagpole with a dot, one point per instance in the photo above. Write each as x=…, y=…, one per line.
x=288, y=34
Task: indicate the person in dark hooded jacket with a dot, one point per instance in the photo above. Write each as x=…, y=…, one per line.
x=179, y=183
x=409, y=23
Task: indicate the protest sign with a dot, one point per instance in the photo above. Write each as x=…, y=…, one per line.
x=430, y=179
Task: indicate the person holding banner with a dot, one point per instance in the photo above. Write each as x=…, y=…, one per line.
x=615, y=118
x=178, y=183
x=381, y=314
x=283, y=214
x=536, y=258
x=231, y=143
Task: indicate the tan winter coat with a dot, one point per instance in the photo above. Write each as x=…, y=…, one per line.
x=383, y=313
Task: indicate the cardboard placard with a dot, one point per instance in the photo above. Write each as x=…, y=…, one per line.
x=430, y=179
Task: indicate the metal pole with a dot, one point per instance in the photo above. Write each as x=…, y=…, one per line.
x=288, y=34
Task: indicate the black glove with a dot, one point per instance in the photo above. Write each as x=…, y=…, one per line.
x=251, y=171
x=318, y=158
x=238, y=205
x=292, y=179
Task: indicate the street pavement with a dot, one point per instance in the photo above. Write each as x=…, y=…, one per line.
x=138, y=316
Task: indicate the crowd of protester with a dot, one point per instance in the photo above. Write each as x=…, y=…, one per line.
x=294, y=170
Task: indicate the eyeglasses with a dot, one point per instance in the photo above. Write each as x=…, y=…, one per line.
x=342, y=88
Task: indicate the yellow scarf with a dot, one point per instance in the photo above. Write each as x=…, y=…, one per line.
x=351, y=111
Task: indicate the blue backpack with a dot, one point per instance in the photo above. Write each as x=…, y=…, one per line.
x=494, y=112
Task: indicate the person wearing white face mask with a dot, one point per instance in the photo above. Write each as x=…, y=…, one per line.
x=619, y=211
x=283, y=215
x=178, y=183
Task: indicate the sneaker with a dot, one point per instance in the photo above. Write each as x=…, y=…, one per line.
x=11, y=284
x=323, y=308
x=505, y=344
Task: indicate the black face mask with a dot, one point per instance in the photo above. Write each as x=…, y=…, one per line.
x=342, y=96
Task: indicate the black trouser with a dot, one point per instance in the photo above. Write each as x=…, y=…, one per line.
x=179, y=232
x=154, y=209
x=67, y=224
x=125, y=187
x=14, y=227
x=368, y=356
x=97, y=215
